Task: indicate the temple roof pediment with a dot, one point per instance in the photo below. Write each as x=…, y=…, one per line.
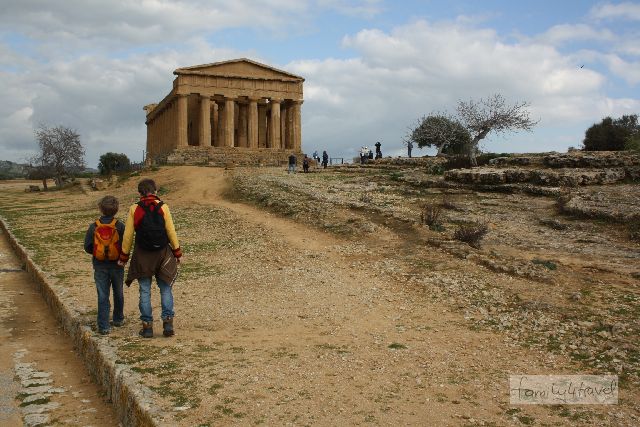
x=241, y=68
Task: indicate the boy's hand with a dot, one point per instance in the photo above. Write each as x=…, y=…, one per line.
x=121, y=264
x=179, y=260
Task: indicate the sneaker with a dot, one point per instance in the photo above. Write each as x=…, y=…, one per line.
x=103, y=331
x=118, y=324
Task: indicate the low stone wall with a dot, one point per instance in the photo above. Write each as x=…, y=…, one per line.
x=573, y=159
x=546, y=177
x=224, y=156
x=133, y=402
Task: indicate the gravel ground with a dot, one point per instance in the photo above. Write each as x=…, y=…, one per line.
x=319, y=299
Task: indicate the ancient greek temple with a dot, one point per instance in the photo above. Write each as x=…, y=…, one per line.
x=237, y=111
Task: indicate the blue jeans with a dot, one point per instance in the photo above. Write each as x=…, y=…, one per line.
x=292, y=168
x=106, y=279
x=166, y=299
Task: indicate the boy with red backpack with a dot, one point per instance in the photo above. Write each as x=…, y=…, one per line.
x=104, y=241
x=156, y=253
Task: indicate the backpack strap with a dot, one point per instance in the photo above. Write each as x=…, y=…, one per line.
x=146, y=207
x=111, y=224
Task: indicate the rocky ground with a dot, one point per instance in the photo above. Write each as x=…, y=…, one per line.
x=321, y=298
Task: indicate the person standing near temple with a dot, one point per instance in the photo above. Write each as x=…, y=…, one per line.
x=325, y=159
x=378, y=150
x=292, y=163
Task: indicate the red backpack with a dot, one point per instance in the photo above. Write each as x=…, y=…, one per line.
x=106, y=241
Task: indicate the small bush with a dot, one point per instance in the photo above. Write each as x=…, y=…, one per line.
x=548, y=264
x=552, y=223
x=366, y=198
x=447, y=203
x=430, y=215
x=472, y=233
x=562, y=200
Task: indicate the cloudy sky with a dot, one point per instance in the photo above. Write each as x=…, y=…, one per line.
x=372, y=67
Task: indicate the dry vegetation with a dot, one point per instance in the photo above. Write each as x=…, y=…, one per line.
x=347, y=297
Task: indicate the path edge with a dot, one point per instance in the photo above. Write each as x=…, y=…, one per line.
x=132, y=401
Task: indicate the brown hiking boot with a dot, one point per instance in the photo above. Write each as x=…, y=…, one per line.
x=167, y=327
x=147, y=330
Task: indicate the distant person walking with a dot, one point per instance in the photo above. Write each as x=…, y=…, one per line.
x=378, y=150
x=305, y=164
x=292, y=163
x=325, y=159
x=364, y=154
x=409, y=147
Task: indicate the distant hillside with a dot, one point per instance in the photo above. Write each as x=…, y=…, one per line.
x=11, y=170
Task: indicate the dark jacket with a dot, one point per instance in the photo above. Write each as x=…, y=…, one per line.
x=88, y=242
x=162, y=264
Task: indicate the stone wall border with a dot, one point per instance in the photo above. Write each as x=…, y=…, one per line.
x=133, y=401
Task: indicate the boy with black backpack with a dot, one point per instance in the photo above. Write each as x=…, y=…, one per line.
x=156, y=253
x=104, y=241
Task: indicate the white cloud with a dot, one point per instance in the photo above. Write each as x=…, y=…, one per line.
x=91, y=24
x=625, y=11
x=358, y=8
x=423, y=67
x=116, y=59
x=563, y=33
x=629, y=71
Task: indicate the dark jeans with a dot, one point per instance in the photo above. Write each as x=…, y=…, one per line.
x=106, y=279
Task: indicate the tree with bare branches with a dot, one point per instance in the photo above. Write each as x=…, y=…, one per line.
x=492, y=115
x=61, y=153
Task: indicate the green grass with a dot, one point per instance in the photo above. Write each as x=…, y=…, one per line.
x=397, y=346
x=548, y=264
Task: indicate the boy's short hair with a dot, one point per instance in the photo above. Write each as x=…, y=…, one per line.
x=146, y=186
x=108, y=205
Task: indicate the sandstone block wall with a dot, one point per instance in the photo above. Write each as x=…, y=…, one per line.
x=223, y=156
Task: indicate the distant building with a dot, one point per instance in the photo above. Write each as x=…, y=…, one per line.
x=236, y=111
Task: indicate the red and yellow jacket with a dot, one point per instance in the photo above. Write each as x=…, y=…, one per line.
x=133, y=222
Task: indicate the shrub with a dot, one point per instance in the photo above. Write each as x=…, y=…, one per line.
x=562, y=200
x=447, y=203
x=472, y=233
x=430, y=215
x=114, y=162
x=548, y=264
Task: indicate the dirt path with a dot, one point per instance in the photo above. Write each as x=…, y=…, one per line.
x=42, y=379
x=278, y=323
x=339, y=334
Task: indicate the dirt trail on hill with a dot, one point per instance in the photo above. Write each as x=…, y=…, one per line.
x=366, y=345
x=278, y=323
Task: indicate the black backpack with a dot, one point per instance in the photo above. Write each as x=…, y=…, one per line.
x=151, y=235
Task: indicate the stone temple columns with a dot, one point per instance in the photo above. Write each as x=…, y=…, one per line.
x=253, y=123
x=204, y=134
x=229, y=113
x=244, y=122
x=297, y=126
x=274, y=129
x=182, y=121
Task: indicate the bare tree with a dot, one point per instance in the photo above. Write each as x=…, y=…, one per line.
x=492, y=114
x=439, y=130
x=61, y=153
